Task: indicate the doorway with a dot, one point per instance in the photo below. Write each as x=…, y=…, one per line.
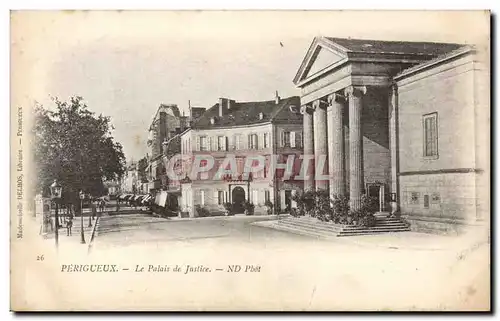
x=377, y=191
x=238, y=199
x=288, y=201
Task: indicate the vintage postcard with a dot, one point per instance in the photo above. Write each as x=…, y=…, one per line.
x=250, y=161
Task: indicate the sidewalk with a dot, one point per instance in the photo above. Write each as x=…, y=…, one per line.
x=72, y=243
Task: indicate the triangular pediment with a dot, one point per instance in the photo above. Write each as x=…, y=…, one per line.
x=323, y=59
x=321, y=55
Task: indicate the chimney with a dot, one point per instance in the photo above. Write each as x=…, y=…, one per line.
x=223, y=102
x=163, y=129
x=277, y=98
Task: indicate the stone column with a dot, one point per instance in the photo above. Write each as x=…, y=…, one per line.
x=308, y=138
x=393, y=143
x=320, y=145
x=336, y=156
x=356, y=174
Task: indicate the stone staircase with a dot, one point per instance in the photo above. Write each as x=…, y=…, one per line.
x=313, y=227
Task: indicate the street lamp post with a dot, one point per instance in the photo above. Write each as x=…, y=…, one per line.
x=55, y=194
x=91, y=212
x=82, y=196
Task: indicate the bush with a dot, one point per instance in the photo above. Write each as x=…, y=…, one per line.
x=249, y=208
x=228, y=207
x=364, y=216
x=202, y=211
x=340, y=209
x=269, y=206
x=306, y=202
x=322, y=209
x=299, y=199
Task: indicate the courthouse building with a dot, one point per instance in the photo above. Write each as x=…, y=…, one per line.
x=407, y=121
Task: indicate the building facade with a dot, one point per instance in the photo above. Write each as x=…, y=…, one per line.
x=242, y=130
x=167, y=122
x=130, y=179
x=443, y=120
x=389, y=117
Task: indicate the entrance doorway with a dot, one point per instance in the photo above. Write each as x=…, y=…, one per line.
x=238, y=199
x=377, y=191
x=288, y=201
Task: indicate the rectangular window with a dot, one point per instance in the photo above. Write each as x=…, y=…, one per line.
x=204, y=175
x=202, y=198
x=220, y=197
x=252, y=141
x=221, y=143
x=203, y=143
x=426, y=201
x=292, y=139
x=298, y=140
x=255, y=197
x=286, y=139
x=267, y=195
x=266, y=140
x=430, y=123
x=237, y=142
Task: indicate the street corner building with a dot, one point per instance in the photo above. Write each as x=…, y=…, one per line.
x=405, y=122
x=243, y=130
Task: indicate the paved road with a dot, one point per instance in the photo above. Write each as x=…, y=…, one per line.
x=309, y=269
x=130, y=229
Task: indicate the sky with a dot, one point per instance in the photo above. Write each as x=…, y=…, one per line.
x=126, y=63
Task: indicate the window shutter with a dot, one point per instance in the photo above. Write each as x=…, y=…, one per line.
x=249, y=141
x=216, y=197
x=292, y=139
x=226, y=143
x=237, y=141
x=197, y=143
x=298, y=139
x=197, y=197
x=282, y=139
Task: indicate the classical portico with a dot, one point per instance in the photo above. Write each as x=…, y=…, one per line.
x=324, y=131
x=347, y=106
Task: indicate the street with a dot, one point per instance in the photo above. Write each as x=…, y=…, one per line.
x=118, y=230
x=343, y=274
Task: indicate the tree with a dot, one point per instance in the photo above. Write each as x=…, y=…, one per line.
x=75, y=146
x=142, y=166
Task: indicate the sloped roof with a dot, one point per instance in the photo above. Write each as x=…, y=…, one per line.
x=444, y=57
x=407, y=52
x=197, y=112
x=394, y=47
x=247, y=113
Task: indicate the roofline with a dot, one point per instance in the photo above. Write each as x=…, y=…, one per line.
x=246, y=102
x=158, y=111
x=310, y=52
x=355, y=56
x=235, y=126
x=433, y=62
